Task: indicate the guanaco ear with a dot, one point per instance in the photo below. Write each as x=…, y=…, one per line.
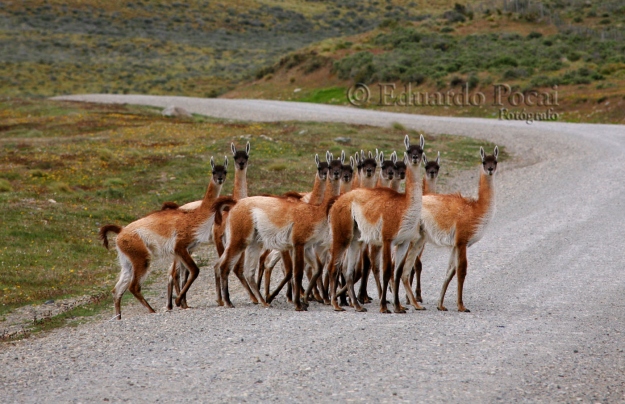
x=438, y=158
x=381, y=157
x=406, y=159
x=351, y=162
x=234, y=149
x=317, y=160
x=362, y=155
x=225, y=162
x=425, y=159
x=496, y=152
x=370, y=155
x=377, y=156
x=342, y=156
x=247, y=148
x=212, y=163
x=328, y=156
x=357, y=158
x=482, y=153
x=394, y=157
x=407, y=142
x=422, y=142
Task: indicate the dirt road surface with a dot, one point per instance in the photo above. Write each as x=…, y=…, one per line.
x=545, y=288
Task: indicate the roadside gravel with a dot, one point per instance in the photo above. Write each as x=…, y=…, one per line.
x=545, y=287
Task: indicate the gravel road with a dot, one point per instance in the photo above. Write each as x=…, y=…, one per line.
x=543, y=285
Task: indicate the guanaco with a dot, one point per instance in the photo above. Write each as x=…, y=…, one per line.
x=269, y=259
x=378, y=216
x=239, y=191
x=454, y=221
x=429, y=187
x=279, y=224
x=168, y=232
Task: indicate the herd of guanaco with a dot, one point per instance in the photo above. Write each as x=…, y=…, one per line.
x=355, y=222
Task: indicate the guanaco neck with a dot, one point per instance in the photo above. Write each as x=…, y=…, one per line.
x=369, y=182
x=240, y=184
x=414, y=188
x=429, y=185
x=332, y=188
x=212, y=193
x=346, y=187
x=486, y=193
x=318, y=191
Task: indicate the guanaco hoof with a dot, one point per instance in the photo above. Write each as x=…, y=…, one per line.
x=361, y=310
x=400, y=311
x=339, y=309
x=385, y=311
x=442, y=308
x=419, y=308
x=465, y=310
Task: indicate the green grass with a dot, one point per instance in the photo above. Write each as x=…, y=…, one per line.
x=96, y=164
x=332, y=95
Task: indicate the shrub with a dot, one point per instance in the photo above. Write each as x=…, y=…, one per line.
x=60, y=187
x=456, y=82
x=544, y=81
x=5, y=186
x=452, y=16
x=277, y=167
x=263, y=71
x=398, y=126
x=573, y=56
x=114, y=182
x=413, y=76
x=473, y=81
x=534, y=35
x=504, y=61
x=105, y=154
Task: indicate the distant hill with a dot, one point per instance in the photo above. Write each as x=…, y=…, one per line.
x=314, y=50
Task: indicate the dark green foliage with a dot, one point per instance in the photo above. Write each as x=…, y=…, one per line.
x=414, y=56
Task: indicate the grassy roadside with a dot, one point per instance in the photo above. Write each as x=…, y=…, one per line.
x=67, y=168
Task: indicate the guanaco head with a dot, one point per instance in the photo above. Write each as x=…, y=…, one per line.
x=240, y=157
x=347, y=171
x=415, y=152
x=387, y=171
x=219, y=172
x=400, y=168
x=335, y=166
x=322, y=168
x=369, y=164
x=432, y=167
x=489, y=163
